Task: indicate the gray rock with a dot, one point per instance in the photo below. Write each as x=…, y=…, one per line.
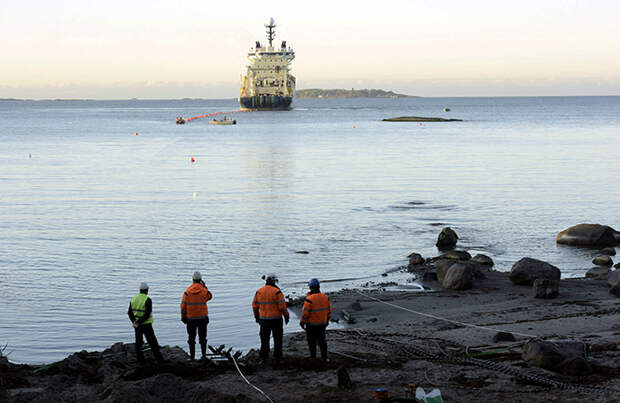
x=415, y=259
x=551, y=354
x=483, y=260
x=597, y=272
x=617, y=265
x=546, y=288
x=447, y=238
x=441, y=268
x=608, y=251
x=459, y=277
x=429, y=276
x=603, y=260
x=526, y=270
x=590, y=235
x=503, y=336
x=455, y=255
x=575, y=366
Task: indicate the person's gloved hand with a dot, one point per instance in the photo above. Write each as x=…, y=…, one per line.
x=184, y=320
x=286, y=320
x=303, y=325
x=135, y=324
x=257, y=319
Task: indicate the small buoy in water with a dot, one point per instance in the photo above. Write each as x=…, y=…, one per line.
x=136, y=133
x=446, y=109
x=354, y=126
x=29, y=155
x=195, y=195
x=420, y=123
x=192, y=160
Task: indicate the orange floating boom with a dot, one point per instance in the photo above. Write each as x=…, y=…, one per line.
x=214, y=114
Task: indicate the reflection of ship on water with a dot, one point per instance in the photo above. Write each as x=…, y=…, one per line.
x=267, y=83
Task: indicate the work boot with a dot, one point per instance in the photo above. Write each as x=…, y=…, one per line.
x=203, y=350
x=192, y=352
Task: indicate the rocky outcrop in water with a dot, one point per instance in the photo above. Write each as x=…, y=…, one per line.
x=603, y=260
x=589, y=235
x=447, y=238
x=526, y=270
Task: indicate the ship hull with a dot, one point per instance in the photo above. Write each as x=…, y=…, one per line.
x=266, y=102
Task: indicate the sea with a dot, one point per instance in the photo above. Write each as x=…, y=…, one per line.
x=99, y=196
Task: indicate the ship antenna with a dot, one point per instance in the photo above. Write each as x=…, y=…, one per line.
x=271, y=32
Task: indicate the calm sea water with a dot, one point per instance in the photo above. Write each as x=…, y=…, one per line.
x=98, y=196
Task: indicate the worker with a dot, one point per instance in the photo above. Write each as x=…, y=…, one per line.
x=269, y=308
x=315, y=317
x=195, y=315
x=141, y=315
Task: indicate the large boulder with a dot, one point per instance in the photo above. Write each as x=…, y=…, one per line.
x=591, y=235
x=603, y=260
x=447, y=238
x=442, y=266
x=526, y=270
x=555, y=355
x=546, y=288
x=460, y=276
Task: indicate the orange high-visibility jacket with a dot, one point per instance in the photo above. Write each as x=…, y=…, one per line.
x=269, y=302
x=317, y=309
x=194, y=303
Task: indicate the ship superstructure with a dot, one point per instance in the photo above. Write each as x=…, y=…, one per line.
x=268, y=83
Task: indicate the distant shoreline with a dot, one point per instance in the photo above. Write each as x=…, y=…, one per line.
x=352, y=93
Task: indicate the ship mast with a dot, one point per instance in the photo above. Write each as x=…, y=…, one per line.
x=271, y=32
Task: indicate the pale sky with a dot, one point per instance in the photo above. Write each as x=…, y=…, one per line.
x=197, y=49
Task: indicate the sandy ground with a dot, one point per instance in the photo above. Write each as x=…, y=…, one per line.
x=387, y=347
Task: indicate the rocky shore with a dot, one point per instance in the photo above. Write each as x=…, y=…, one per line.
x=474, y=333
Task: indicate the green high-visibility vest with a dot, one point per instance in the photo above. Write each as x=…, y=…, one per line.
x=138, y=306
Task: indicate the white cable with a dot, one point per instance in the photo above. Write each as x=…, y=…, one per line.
x=246, y=379
x=444, y=319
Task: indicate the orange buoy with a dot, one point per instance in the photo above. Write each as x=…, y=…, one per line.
x=192, y=160
x=420, y=123
x=354, y=126
x=136, y=133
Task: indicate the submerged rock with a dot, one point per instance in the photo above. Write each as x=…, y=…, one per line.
x=455, y=255
x=447, y=238
x=603, y=260
x=526, y=270
x=590, y=235
x=483, y=260
x=415, y=259
x=597, y=272
x=608, y=251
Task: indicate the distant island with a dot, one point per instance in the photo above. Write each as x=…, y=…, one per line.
x=352, y=93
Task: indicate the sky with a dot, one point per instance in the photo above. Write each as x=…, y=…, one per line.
x=197, y=49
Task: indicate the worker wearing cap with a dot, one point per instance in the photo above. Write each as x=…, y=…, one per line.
x=269, y=307
x=315, y=317
x=141, y=315
x=195, y=315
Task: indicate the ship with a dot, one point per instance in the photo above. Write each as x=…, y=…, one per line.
x=268, y=83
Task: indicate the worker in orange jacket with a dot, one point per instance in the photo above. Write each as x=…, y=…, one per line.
x=269, y=307
x=195, y=314
x=315, y=317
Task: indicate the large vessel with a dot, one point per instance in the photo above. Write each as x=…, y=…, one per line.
x=268, y=83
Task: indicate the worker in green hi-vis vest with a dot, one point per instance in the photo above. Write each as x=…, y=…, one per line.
x=141, y=315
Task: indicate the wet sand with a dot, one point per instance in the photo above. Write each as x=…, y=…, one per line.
x=386, y=347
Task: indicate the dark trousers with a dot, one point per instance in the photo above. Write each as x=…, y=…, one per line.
x=201, y=326
x=149, y=334
x=316, y=335
x=268, y=326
